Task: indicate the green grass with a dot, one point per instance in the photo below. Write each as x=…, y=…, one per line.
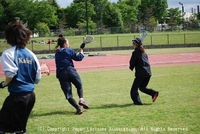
x=111, y=110
x=115, y=40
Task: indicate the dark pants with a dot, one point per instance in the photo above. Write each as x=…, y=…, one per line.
x=15, y=112
x=68, y=76
x=141, y=84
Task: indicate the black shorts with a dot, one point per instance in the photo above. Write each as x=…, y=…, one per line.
x=15, y=112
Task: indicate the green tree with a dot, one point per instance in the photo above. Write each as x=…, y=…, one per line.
x=112, y=16
x=42, y=29
x=1, y=11
x=193, y=22
x=29, y=11
x=99, y=6
x=152, y=23
x=76, y=13
x=158, y=7
x=91, y=26
x=174, y=17
x=57, y=8
x=198, y=16
x=16, y=8
x=45, y=13
x=62, y=19
x=129, y=11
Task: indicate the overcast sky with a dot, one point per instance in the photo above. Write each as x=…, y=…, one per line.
x=188, y=4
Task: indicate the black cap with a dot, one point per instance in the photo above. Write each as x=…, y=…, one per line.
x=137, y=41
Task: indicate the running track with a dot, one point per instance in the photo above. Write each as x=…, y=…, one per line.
x=108, y=62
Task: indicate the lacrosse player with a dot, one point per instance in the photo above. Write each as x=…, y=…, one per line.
x=139, y=61
x=22, y=71
x=67, y=74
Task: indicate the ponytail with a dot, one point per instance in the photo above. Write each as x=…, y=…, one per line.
x=141, y=47
x=60, y=42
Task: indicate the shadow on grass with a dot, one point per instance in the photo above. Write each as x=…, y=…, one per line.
x=106, y=106
x=117, y=106
x=52, y=113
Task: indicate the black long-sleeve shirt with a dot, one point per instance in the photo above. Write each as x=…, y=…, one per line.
x=140, y=62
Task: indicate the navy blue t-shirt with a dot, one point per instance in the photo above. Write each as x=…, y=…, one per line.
x=64, y=58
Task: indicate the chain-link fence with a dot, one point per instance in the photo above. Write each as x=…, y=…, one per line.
x=115, y=41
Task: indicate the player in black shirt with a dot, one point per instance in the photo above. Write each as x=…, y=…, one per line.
x=139, y=61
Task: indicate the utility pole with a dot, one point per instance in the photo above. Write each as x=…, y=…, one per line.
x=86, y=15
x=182, y=13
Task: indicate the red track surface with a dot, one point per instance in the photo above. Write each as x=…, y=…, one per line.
x=108, y=62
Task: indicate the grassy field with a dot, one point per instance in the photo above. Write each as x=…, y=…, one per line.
x=116, y=40
x=111, y=110
x=107, y=92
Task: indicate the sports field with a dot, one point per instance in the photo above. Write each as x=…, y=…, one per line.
x=107, y=82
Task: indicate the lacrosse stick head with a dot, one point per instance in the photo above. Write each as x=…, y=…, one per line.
x=88, y=39
x=44, y=68
x=143, y=33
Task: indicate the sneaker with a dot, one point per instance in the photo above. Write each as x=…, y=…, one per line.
x=79, y=111
x=155, y=96
x=20, y=132
x=82, y=103
x=137, y=103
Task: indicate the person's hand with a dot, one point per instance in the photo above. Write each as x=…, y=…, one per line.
x=82, y=45
x=2, y=84
x=131, y=68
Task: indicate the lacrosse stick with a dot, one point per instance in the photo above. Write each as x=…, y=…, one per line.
x=87, y=39
x=44, y=68
x=143, y=34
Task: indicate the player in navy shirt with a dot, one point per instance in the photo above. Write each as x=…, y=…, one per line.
x=67, y=74
x=22, y=71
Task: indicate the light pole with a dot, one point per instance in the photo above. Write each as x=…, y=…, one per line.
x=86, y=15
x=182, y=13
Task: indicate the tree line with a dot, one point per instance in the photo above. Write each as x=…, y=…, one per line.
x=47, y=15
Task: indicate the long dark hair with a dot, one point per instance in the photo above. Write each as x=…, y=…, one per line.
x=60, y=41
x=141, y=48
x=17, y=34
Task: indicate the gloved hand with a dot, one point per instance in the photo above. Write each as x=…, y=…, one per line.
x=2, y=84
x=82, y=45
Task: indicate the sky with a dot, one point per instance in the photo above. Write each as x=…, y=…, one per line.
x=187, y=4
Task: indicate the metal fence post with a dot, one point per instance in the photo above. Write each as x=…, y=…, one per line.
x=167, y=39
x=100, y=42
x=117, y=41
x=184, y=39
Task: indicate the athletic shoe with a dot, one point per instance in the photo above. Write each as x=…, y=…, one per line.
x=155, y=96
x=20, y=132
x=138, y=103
x=79, y=111
x=82, y=103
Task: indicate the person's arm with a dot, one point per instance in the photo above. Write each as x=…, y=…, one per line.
x=9, y=67
x=38, y=71
x=6, y=82
x=132, y=61
x=81, y=51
